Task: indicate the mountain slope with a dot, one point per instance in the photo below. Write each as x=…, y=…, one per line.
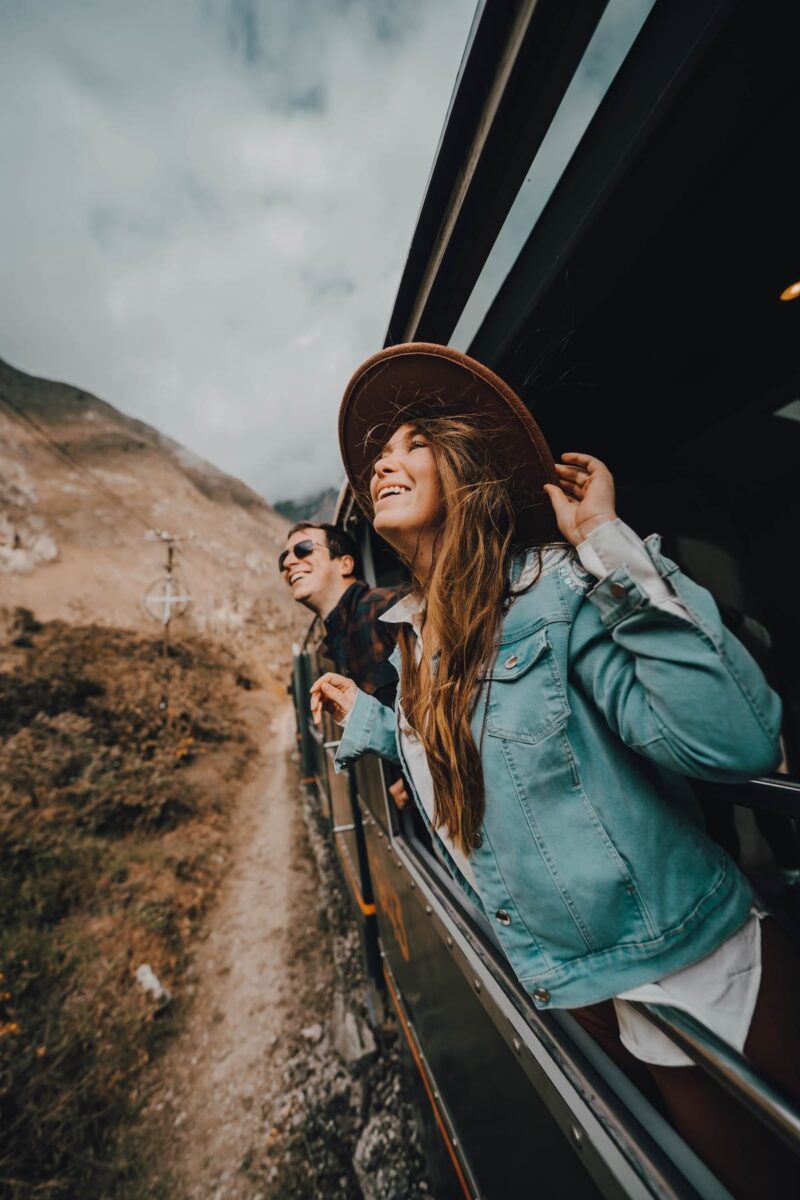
x=80, y=487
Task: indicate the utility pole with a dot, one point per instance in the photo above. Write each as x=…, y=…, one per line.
x=166, y=598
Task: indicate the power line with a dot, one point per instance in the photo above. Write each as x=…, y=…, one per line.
x=170, y=600
x=84, y=472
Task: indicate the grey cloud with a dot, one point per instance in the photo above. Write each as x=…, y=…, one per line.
x=190, y=233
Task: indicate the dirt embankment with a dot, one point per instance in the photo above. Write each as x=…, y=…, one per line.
x=181, y=1001
x=277, y=1088
x=113, y=830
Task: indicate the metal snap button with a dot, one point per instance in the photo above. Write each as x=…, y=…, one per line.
x=542, y=995
x=503, y=917
x=617, y=591
x=510, y=662
x=477, y=841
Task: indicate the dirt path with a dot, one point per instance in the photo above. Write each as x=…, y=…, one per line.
x=261, y=972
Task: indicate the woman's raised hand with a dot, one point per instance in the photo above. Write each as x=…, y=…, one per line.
x=584, y=497
x=335, y=694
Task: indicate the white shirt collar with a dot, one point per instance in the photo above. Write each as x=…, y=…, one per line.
x=408, y=610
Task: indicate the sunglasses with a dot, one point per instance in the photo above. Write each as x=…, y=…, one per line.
x=299, y=550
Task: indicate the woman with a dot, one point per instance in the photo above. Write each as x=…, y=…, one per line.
x=558, y=681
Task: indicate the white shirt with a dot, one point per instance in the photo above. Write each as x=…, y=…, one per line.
x=719, y=990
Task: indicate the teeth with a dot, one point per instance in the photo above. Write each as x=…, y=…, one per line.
x=297, y=575
x=395, y=489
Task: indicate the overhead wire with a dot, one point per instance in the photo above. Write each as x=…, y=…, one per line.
x=84, y=472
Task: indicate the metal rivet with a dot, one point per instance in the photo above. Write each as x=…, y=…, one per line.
x=428, y=909
x=477, y=984
x=477, y=841
x=510, y=662
x=502, y=917
x=542, y=995
x=413, y=884
x=577, y=1134
x=450, y=943
x=517, y=1044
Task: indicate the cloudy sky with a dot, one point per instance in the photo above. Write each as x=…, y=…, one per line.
x=206, y=206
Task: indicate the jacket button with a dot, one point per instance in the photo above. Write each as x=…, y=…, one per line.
x=511, y=662
x=477, y=841
x=542, y=995
x=502, y=917
x=617, y=591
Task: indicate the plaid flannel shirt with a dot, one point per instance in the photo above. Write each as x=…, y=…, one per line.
x=359, y=643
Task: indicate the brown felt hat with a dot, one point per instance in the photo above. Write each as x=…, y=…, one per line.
x=419, y=379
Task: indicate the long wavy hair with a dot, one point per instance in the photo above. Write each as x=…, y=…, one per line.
x=465, y=595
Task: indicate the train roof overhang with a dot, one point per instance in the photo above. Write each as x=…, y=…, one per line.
x=663, y=248
x=517, y=65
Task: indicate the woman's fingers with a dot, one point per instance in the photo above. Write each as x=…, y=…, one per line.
x=587, y=461
x=560, y=502
x=572, y=487
x=583, y=498
x=571, y=470
x=574, y=475
x=334, y=693
x=330, y=680
x=590, y=484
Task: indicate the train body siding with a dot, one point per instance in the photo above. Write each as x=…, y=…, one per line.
x=637, y=311
x=511, y=1097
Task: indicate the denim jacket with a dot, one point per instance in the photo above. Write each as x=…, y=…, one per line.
x=592, y=862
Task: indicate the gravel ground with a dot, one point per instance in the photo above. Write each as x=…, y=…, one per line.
x=278, y=1088
x=345, y=1128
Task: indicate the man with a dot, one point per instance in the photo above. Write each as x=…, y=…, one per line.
x=319, y=566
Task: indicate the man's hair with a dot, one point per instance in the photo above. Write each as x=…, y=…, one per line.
x=339, y=543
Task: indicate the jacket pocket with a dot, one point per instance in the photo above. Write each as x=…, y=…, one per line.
x=526, y=698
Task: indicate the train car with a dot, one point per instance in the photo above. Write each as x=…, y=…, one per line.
x=610, y=224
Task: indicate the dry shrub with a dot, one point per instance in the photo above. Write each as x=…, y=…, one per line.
x=104, y=862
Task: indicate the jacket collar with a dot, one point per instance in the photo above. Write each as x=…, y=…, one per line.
x=343, y=610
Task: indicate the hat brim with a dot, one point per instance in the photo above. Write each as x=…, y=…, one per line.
x=414, y=380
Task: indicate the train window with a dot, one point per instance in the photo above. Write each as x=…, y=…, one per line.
x=749, y=462
x=388, y=570
x=724, y=500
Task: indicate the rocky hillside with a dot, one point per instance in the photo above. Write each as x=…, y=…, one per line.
x=82, y=487
x=319, y=506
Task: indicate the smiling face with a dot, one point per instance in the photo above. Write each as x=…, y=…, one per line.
x=406, y=494
x=317, y=580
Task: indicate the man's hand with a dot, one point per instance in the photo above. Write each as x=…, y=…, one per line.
x=399, y=794
x=584, y=497
x=335, y=694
